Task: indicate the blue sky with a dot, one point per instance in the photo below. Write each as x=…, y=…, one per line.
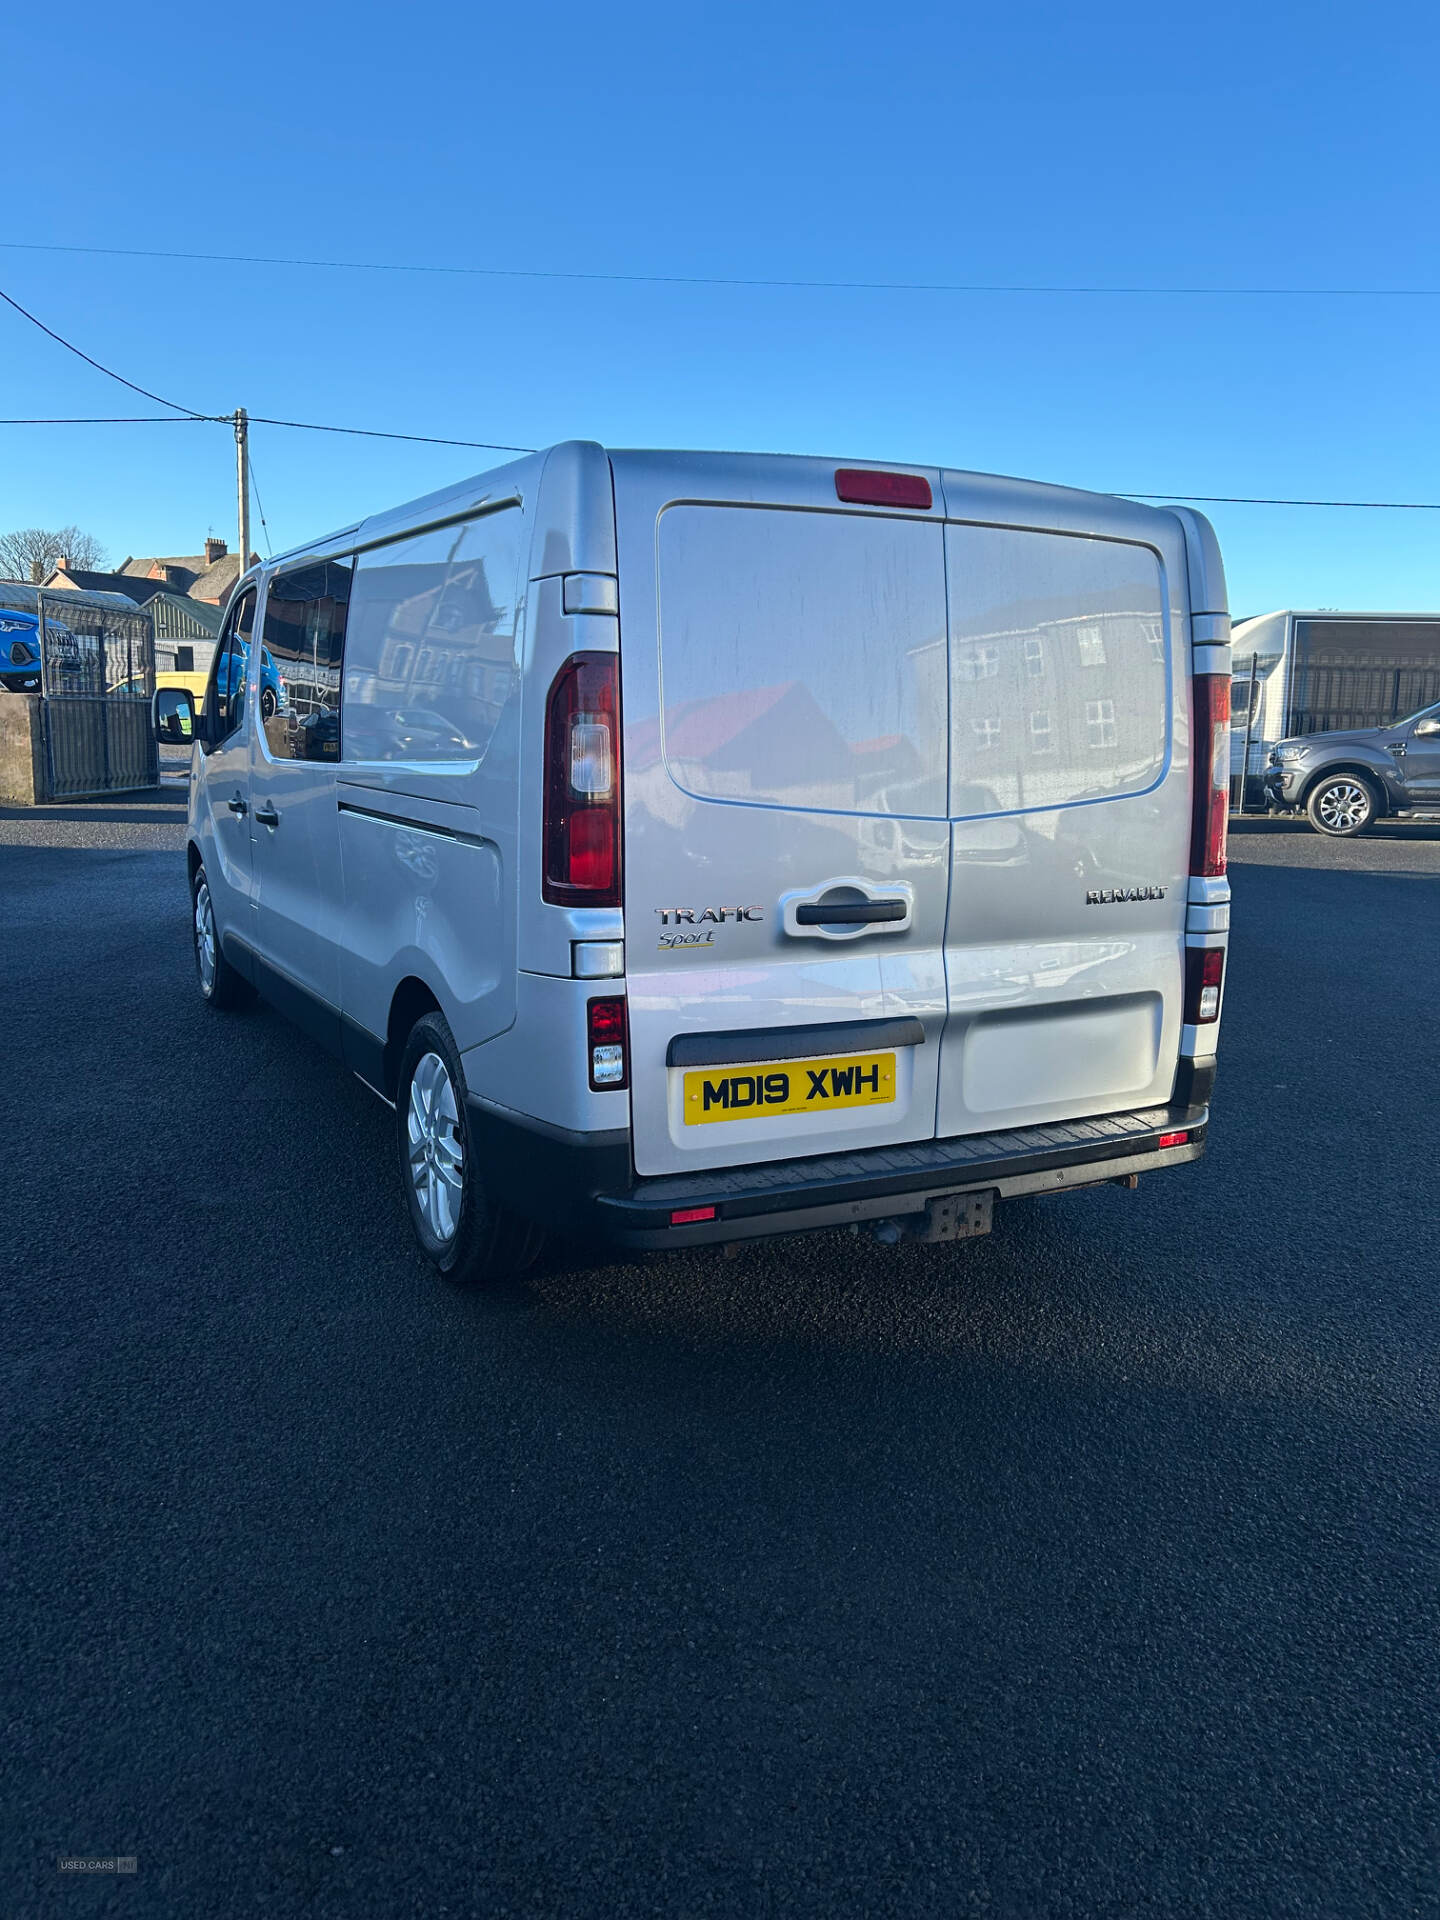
x=1120, y=144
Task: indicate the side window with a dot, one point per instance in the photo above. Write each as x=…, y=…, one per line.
x=299, y=676
x=225, y=695
x=1242, y=691
x=430, y=658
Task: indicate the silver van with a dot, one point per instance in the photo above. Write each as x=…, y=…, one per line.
x=692, y=847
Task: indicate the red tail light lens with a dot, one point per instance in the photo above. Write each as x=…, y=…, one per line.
x=1173, y=1139
x=1211, y=748
x=582, y=783
x=1204, y=971
x=608, y=1035
x=867, y=487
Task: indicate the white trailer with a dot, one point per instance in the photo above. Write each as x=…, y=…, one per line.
x=1298, y=672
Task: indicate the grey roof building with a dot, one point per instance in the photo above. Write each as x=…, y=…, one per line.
x=82, y=580
x=209, y=576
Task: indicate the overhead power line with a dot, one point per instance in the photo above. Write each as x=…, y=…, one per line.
x=112, y=420
x=189, y=415
x=259, y=503
x=192, y=413
x=380, y=433
x=428, y=439
x=1266, y=500
x=109, y=372
x=1212, y=290
x=433, y=440
x=227, y=419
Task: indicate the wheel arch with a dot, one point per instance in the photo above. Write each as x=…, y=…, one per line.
x=412, y=999
x=1357, y=770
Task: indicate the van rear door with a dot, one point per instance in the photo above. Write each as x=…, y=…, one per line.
x=783, y=675
x=1070, y=802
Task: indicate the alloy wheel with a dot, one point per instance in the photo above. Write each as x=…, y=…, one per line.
x=437, y=1153
x=1344, y=806
x=205, y=937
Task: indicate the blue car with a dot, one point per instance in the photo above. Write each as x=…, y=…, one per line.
x=230, y=677
x=19, y=651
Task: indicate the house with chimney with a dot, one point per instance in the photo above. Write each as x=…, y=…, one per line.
x=184, y=593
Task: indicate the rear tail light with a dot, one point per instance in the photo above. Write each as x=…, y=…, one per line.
x=1212, y=773
x=608, y=1037
x=1173, y=1139
x=1204, y=970
x=687, y=1216
x=867, y=487
x=582, y=783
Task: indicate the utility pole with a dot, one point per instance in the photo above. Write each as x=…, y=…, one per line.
x=242, y=481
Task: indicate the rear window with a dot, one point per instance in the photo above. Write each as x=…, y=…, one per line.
x=1058, y=669
x=803, y=659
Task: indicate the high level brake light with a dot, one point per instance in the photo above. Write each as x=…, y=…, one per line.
x=1211, y=792
x=582, y=783
x=869, y=487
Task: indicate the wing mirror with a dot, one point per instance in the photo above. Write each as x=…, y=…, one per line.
x=174, y=717
x=1426, y=729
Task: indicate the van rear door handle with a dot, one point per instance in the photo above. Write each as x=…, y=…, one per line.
x=237, y=805
x=847, y=909
x=266, y=817
x=845, y=913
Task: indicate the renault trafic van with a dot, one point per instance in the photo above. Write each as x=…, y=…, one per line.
x=691, y=847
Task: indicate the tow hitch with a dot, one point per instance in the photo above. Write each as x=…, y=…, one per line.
x=950, y=1216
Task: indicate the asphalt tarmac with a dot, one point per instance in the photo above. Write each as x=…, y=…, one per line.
x=1090, y=1569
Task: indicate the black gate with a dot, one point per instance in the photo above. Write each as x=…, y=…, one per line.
x=97, y=669
x=1326, y=697
x=1362, y=672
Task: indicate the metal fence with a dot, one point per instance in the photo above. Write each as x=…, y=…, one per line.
x=97, y=676
x=1324, y=698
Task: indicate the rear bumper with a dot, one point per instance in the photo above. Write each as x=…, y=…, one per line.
x=584, y=1184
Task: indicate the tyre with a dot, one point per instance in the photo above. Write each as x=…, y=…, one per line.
x=1342, y=804
x=220, y=984
x=268, y=703
x=465, y=1234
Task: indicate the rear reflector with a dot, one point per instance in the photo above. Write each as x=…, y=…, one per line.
x=1173, y=1139
x=686, y=1216
x=866, y=487
x=608, y=1037
x=1204, y=971
x=581, y=830
x=1211, y=792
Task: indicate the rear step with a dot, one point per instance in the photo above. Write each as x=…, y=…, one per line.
x=787, y=1196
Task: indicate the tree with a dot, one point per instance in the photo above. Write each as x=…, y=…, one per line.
x=31, y=552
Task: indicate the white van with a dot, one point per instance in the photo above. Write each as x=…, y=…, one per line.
x=693, y=847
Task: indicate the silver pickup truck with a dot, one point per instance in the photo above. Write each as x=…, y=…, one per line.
x=1345, y=781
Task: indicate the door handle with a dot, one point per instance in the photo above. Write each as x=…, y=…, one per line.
x=845, y=913
x=846, y=909
x=267, y=817
x=237, y=805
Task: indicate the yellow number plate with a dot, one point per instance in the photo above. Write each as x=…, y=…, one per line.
x=788, y=1086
